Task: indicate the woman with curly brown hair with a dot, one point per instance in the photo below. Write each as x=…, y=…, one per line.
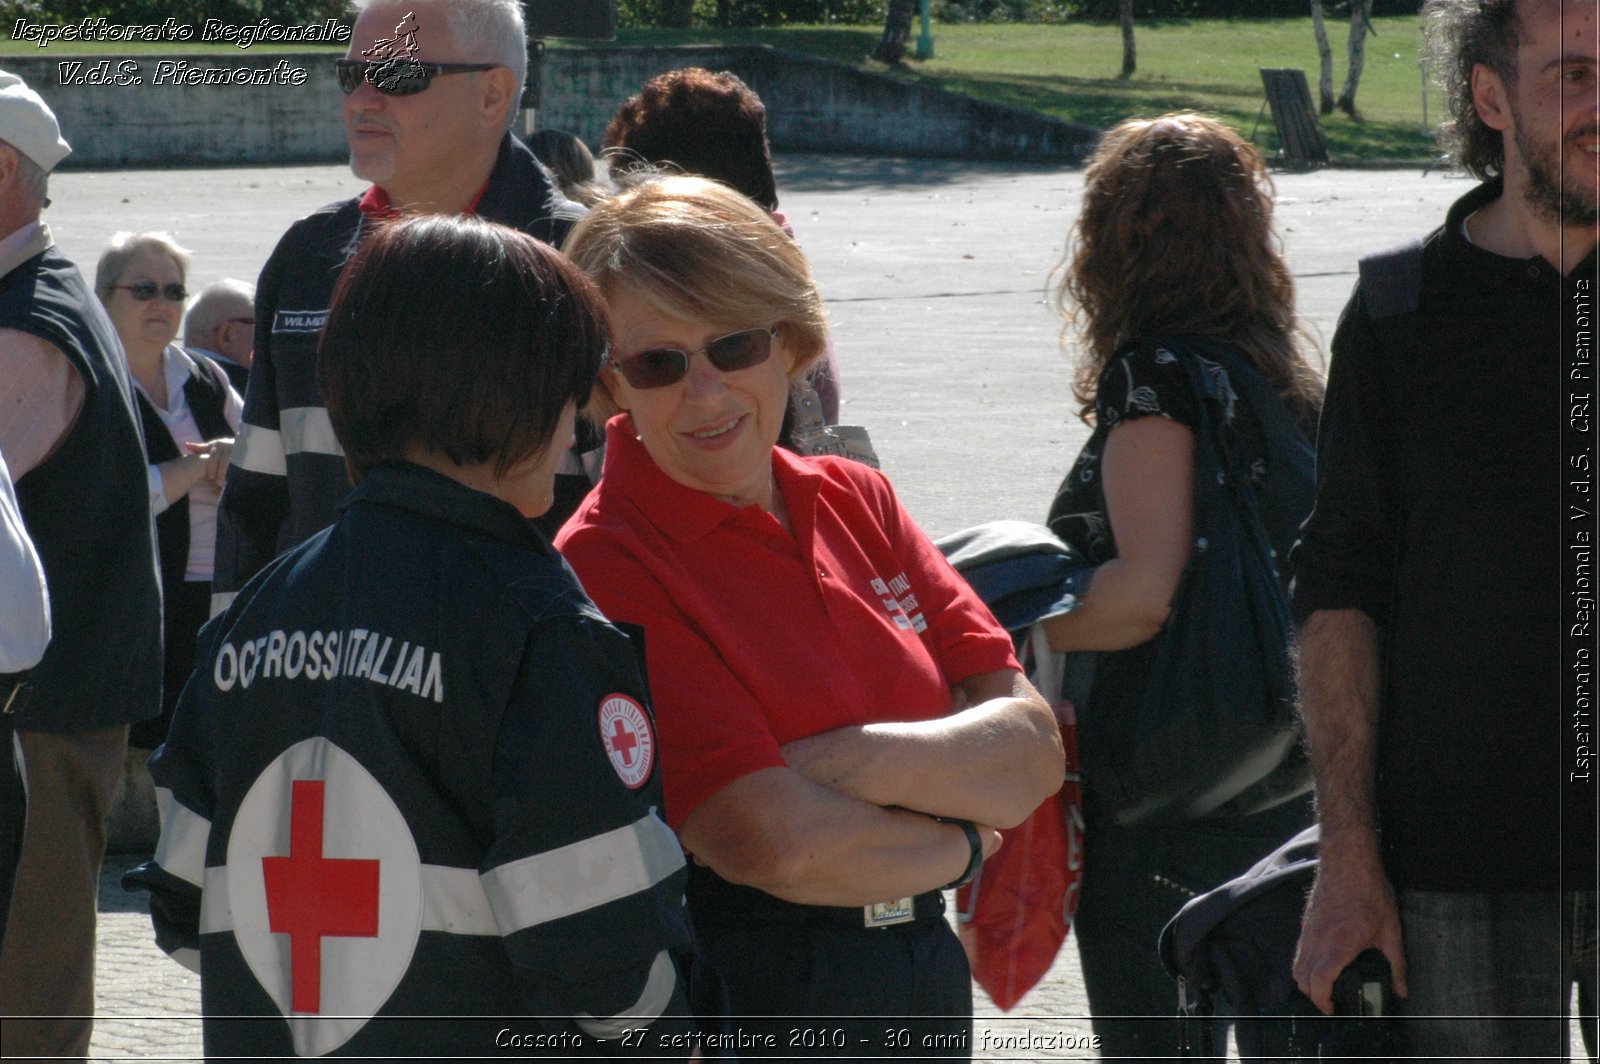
x=1174, y=277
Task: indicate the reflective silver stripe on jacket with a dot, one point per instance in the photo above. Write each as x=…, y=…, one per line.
x=516, y=895
x=653, y=1001
x=308, y=430
x=184, y=834
x=259, y=450
x=584, y=875
x=452, y=900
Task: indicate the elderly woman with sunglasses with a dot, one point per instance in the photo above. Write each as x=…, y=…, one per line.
x=190, y=414
x=842, y=723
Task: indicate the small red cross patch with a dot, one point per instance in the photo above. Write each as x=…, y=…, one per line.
x=629, y=740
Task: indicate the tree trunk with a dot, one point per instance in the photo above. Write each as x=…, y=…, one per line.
x=1125, y=16
x=1360, y=26
x=725, y=13
x=1325, y=83
x=680, y=14
x=896, y=31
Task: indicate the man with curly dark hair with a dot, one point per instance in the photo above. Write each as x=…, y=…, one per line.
x=1455, y=837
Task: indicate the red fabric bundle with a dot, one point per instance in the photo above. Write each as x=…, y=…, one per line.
x=1014, y=916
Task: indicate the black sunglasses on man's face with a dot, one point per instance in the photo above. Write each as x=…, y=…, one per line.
x=397, y=77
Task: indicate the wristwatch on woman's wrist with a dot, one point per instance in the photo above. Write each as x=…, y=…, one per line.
x=975, y=862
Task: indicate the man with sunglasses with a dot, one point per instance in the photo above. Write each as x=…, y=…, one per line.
x=69, y=434
x=222, y=325
x=429, y=128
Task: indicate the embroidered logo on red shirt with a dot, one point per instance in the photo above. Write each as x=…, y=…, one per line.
x=903, y=607
x=629, y=740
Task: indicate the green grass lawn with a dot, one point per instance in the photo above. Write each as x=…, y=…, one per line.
x=1069, y=71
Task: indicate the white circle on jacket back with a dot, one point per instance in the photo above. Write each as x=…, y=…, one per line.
x=324, y=881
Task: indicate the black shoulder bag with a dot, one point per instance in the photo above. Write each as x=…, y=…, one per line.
x=1200, y=720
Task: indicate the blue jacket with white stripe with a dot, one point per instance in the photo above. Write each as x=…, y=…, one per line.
x=287, y=473
x=410, y=803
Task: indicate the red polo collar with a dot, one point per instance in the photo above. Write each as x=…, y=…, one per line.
x=375, y=203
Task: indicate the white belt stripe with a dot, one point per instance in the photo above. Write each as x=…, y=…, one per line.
x=582, y=876
x=308, y=430
x=184, y=833
x=452, y=901
x=653, y=1001
x=259, y=450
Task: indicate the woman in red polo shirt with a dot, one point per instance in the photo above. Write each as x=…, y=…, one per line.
x=842, y=723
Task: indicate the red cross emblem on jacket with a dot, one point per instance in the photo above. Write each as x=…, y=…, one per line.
x=310, y=896
x=324, y=889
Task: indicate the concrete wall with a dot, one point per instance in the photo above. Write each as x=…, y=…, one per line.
x=120, y=112
x=158, y=121
x=813, y=105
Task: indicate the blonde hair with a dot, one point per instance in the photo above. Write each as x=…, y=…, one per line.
x=698, y=251
x=1176, y=237
x=124, y=246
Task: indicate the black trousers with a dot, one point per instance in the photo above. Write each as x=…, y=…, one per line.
x=1134, y=881
x=795, y=991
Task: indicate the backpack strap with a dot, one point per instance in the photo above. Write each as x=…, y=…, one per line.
x=1391, y=281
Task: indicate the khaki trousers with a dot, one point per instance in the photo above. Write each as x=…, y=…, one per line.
x=47, y=963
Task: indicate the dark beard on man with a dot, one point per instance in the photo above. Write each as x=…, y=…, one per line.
x=1565, y=201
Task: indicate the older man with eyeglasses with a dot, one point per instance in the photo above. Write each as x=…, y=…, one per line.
x=431, y=91
x=222, y=325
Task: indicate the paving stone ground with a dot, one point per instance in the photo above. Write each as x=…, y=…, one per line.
x=936, y=276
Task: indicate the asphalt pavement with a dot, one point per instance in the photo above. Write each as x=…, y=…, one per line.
x=936, y=275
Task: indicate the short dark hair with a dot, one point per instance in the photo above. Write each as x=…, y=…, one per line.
x=1459, y=35
x=709, y=125
x=459, y=336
